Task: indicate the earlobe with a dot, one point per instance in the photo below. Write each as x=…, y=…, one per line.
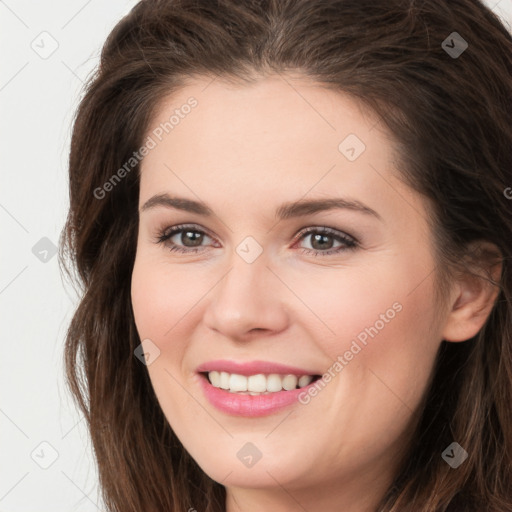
x=475, y=294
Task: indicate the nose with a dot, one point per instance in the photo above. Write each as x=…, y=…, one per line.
x=249, y=299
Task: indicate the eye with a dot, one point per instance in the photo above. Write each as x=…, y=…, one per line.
x=189, y=236
x=323, y=241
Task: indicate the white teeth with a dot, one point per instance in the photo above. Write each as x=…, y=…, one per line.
x=237, y=382
x=274, y=383
x=290, y=382
x=257, y=384
x=305, y=380
x=224, y=380
x=215, y=379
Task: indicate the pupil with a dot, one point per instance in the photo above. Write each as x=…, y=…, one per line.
x=321, y=239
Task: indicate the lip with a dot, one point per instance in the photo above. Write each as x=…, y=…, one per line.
x=253, y=368
x=250, y=405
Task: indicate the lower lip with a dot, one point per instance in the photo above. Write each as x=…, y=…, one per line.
x=250, y=405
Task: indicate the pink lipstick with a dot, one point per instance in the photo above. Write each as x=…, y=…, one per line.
x=255, y=388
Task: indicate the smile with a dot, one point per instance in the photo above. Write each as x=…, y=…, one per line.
x=258, y=384
x=253, y=389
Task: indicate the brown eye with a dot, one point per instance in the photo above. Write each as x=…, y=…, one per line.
x=326, y=241
x=191, y=238
x=321, y=241
x=183, y=239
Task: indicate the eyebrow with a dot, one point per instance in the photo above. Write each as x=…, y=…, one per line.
x=285, y=211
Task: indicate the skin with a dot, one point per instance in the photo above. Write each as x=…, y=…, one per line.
x=244, y=151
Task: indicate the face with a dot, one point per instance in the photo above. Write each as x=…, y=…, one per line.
x=275, y=238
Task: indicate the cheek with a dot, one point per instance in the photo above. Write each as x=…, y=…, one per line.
x=340, y=304
x=162, y=304
x=162, y=296
x=379, y=321
x=167, y=303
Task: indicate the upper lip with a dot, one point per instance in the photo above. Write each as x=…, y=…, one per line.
x=252, y=368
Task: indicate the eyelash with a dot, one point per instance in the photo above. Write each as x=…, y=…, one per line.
x=349, y=242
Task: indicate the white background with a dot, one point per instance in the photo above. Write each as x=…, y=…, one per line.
x=38, y=97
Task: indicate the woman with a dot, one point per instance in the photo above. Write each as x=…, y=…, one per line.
x=292, y=227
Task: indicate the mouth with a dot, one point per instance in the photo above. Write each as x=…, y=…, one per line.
x=258, y=384
x=254, y=388
x=254, y=395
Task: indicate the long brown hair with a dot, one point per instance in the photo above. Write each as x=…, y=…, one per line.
x=451, y=117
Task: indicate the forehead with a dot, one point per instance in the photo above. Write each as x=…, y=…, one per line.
x=282, y=110
x=279, y=124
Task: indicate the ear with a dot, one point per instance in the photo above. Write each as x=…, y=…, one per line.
x=474, y=292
